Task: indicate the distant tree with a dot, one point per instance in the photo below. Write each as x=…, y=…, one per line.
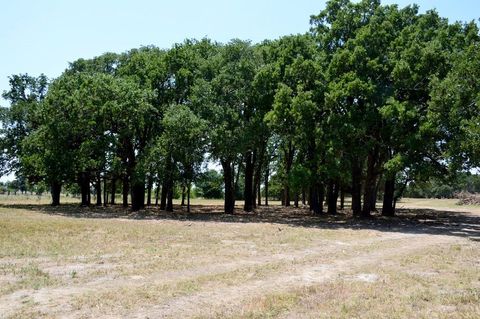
x=297, y=106
x=455, y=106
x=19, y=120
x=184, y=139
x=225, y=103
x=209, y=184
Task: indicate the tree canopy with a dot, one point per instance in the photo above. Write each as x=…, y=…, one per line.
x=369, y=100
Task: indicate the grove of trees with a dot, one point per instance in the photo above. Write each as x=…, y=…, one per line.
x=371, y=99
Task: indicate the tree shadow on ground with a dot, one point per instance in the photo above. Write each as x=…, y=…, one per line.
x=414, y=221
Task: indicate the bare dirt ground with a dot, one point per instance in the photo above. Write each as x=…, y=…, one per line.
x=72, y=262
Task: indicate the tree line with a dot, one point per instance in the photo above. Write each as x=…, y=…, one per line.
x=372, y=98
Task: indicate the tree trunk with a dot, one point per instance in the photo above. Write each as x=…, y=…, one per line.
x=259, y=194
x=125, y=190
x=55, y=189
x=330, y=209
x=286, y=196
x=188, y=197
x=138, y=195
x=114, y=190
x=149, y=189
x=356, y=187
x=157, y=192
x=295, y=200
x=229, y=187
x=315, y=201
x=89, y=195
x=373, y=205
x=370, y=183
x=167, y=185
x=183, y=195
x=304, y=197
x=342, y=198
x=163, y=199
x=289, y=153
x=388, y=196
x=267, y=173
x=332, y=196
x=254, y=193
x=98, y=189
x=257, y=177
x=105, y=192
x=237, y=175
x=316, y=198
x=84, y=182
x=169, y=207
x=248, y=191
x=336, y=191
x=321, y=197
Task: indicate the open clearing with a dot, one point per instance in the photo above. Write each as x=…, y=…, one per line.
x=71, y=262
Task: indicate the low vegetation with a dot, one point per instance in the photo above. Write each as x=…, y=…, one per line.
x=275, y=263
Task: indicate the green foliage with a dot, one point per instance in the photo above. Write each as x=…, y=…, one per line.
x=275, y=187
x=20, y=119
x=209, y=185
x=441, y=188
x=369, y=84
x=297, y=177
x=184, y=139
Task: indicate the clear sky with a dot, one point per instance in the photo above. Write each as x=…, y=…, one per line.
x=43, y=36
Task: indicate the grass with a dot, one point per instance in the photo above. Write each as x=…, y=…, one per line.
x=442, y=282
x=45, y=199
x=33, y=199
x=277, y=263
x=434, y=203
x=29, y=276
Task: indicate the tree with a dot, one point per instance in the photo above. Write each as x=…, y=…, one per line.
x=421, y=54
x=84, y=117
x=295, y=116
x=209, y=184
x=455, y=108
x=225, y=103
x=184, y=139
x=374, y=96
x=20, y=120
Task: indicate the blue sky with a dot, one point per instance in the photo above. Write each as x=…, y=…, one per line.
x=43, y=36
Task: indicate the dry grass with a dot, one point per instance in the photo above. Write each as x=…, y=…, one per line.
x=449, y=204
x=32, y=199
x=440, y=282
x=277, y=263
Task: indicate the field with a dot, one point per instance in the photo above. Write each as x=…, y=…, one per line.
x=73, y=262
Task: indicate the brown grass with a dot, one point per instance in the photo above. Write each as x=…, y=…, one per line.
x=275, y=263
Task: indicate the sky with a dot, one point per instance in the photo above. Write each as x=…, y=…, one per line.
x=43, y=36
